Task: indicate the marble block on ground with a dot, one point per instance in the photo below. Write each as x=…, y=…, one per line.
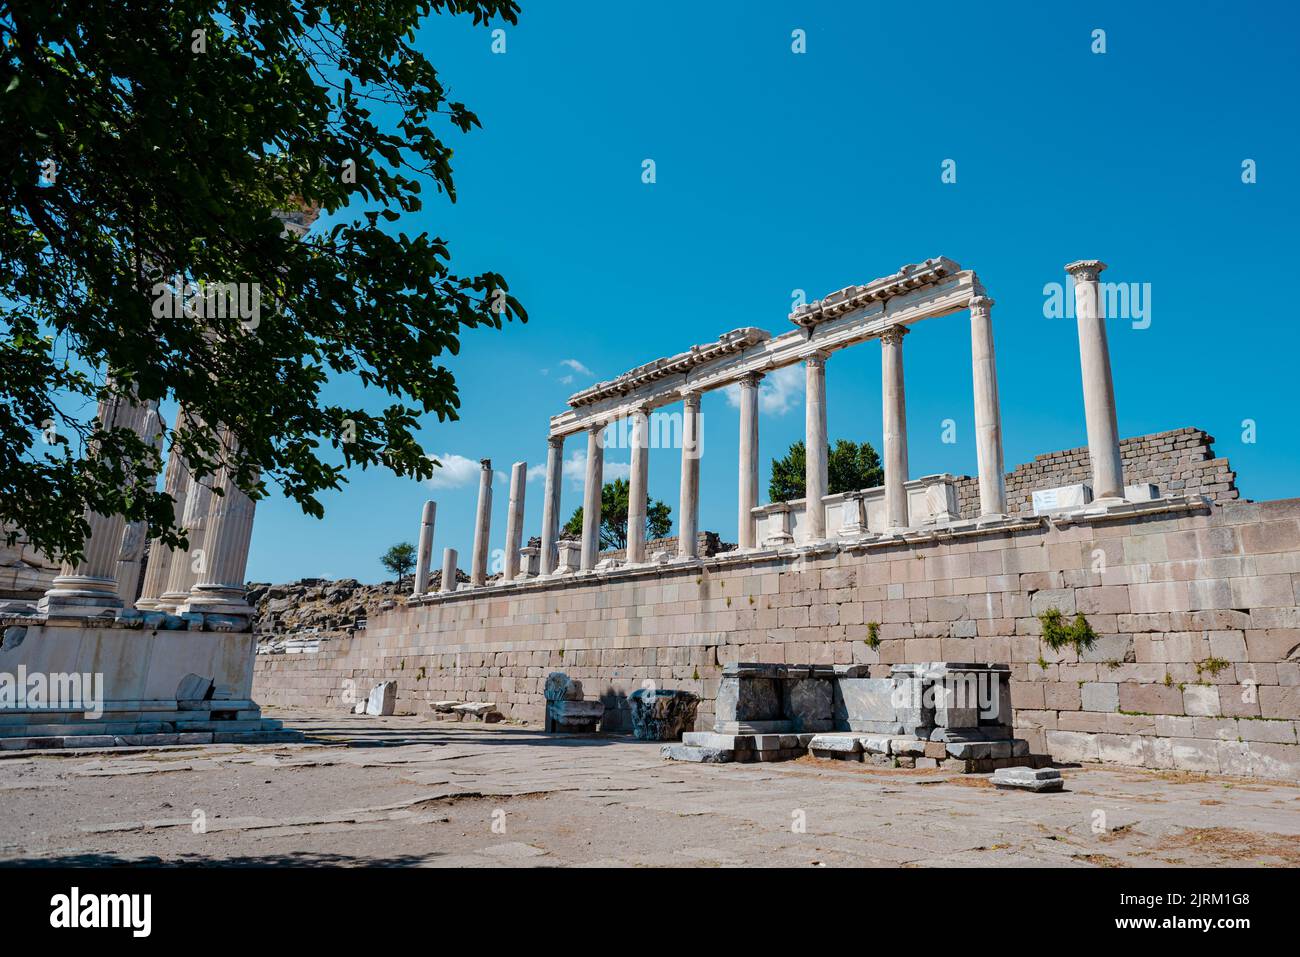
x=383, y=698
x=745, y=698
x=809, y=703
x=661, y=714
x=1029, y=779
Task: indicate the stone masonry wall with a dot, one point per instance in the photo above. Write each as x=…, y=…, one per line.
x=1179, y=462
x=1197, y=666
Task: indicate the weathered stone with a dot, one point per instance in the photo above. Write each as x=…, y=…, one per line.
x=1028, y=779
x=662, y=714
x=383, y=698
x=809, y=703
x=560, y=686
x=747, y=699
x=570, y=715
x=686, y=752
x=836, y=743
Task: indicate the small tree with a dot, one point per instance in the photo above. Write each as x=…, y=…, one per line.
x=614, y=500
x=849, y=466
x=399, y=560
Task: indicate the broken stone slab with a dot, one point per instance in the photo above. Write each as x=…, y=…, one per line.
x=570, y=716
x=662, y=714
x=687, y=752
x=1029, y=779
x=753, y=727
x=908, y=746
x=479, y=710
x=194, y=688
x=383, y=698
x=875, y=745
x=446, y=707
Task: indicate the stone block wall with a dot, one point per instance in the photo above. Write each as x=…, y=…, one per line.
x=1180, y=462
x=25, y=574
x=1197, y=665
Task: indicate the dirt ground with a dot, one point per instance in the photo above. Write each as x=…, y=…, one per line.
x=405, y=790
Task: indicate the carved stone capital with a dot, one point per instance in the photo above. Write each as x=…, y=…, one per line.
x=556, y=441
x=893, y=335
x=981, y=304
x=817, y=359
x=1085, y=270
x=485, y=464
x=691, y=399
x=750, y=380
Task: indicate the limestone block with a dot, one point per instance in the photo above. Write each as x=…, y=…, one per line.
x=1028, y=779
x=836, y=743
x=686, y=752
x=569, y=714
x=1100, y=696
x=1063, y=498
x=858, y=700
x=383, y=698
x=1201, y=700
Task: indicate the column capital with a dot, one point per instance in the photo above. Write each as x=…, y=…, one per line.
x=691, y=398
x=982, y=304
x=817, y=358
x=485, y=465
x=894, y=334
x=751, y=379
x=1085, y=270
x=555, y=441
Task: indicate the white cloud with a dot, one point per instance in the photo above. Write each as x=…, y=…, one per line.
x=456, y=471
x=566, y=380
x=778, y=393
x=576, y=366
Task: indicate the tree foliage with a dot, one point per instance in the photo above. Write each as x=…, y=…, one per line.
x=144, y=140
x=614, y=501
x=849, y=466
x=399, y=560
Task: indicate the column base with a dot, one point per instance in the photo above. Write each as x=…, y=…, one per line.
x=217, y=600
x=79, y=596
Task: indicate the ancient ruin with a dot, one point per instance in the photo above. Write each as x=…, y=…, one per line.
x=1185, y=654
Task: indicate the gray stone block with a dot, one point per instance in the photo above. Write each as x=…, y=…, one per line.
x=1028, y=779
x=661, y=714
x=747, y=699
x=686, y=752
x=836, y=743
x=808, y=702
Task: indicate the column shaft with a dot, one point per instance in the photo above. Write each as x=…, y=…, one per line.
x=449, y=582
x=515, y=519
x=591, y=497
x=816, y=466
x=482, y=526
x=636, y=493
x=220, y=584
x=748, y=466
x=551, y=503
x=1098, y=386
x=688, y=516
x=175, y=484
x=894, y=403
x=988, y=414
x=424, y=557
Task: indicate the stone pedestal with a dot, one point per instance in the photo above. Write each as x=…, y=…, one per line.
x=661, y=714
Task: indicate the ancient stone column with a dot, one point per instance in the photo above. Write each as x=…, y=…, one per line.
x=894, y=402
x=448, y=570
x=220, y=585
x=688, y=515
x=482, y=526
x=515, y=519
x=591, y=497
x=186, y=566
x=424, y=557
x=1098, y=387
x=90, y=585
x=636, y=492
x=748, y=491
x=551, y=502
x=988, y=414
x=131, y=556
x=158, y=569
x=816, y=475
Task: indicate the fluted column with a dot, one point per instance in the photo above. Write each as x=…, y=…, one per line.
x=515, y=519
x=988, y=413
x=175, y=485
x=748, y=466
x=130, y=557
x=688, y=515
x=89, y=586
x=894, y=403
x=636, y=487
x=448, y=583
x=187, y=566
x=1098, y=386
x=816, y=474
x=591, y=497
x=220, y=585
x=424, y=557
x=482, y=526
x=551, y=503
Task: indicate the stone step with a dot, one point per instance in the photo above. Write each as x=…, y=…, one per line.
x=170, y=726
x=149, y=740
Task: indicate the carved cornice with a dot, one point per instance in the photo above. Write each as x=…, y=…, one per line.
x=727, y=344
x=1085, y=270
x=850, y=298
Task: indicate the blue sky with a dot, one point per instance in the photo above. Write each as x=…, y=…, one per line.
x=779, y=171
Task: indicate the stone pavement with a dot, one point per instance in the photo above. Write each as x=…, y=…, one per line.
x=404, y=790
